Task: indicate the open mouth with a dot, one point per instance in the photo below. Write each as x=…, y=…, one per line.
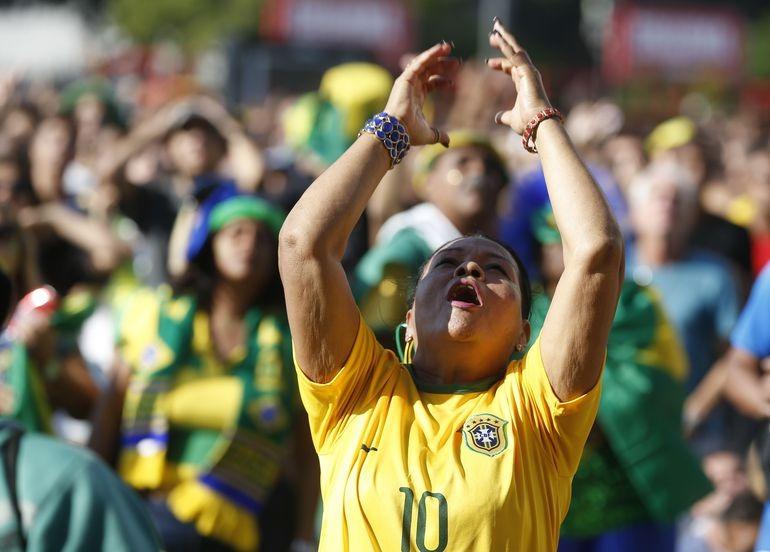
x=464, y=294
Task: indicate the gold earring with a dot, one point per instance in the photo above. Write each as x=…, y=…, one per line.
x=409, y=350
x=519, y=347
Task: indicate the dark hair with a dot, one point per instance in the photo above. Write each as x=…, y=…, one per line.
x=524, y=281
x=6, y=293
x=196, y=121
x=200, y=278
x=744, y=507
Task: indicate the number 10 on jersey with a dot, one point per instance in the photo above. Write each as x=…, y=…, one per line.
x=422, y=521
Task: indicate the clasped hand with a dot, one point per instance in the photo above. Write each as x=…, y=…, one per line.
x=434, y=69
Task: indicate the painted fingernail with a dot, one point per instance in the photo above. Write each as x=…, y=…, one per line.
x=495, y=19
x=486, y=60
x=452, y=44
x=498, y=117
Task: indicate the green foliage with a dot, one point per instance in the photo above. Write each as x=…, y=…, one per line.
x=758, y=47
x=194, y=24
x=453, y=20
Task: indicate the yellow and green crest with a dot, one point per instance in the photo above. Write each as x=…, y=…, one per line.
x=485, y=434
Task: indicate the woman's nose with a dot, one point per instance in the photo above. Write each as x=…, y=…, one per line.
x=471, y=268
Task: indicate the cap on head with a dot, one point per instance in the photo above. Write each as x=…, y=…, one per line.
x=224, y=206
x=427, y=157
x=671, y=134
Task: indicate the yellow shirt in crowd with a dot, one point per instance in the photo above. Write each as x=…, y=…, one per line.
x=405, y=467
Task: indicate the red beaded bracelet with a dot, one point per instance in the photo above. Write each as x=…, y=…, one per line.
x=530, y=131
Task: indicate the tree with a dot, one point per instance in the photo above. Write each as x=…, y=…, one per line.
x=193, y=24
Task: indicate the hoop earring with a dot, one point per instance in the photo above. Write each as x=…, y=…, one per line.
x=409, y=350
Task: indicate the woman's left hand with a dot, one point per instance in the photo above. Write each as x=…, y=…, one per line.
x=530, y=93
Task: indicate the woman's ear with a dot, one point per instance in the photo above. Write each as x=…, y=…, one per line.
x=526, y=333
x=411, y=333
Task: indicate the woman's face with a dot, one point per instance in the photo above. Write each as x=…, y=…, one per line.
x=193, y=151
x=51, y=143
x=465, y=183
x=470, y=292
x=246, y=252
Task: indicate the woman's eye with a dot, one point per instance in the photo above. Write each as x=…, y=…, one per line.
x=444, y=261
x=498, y=268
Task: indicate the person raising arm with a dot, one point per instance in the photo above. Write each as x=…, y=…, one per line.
x=473, y=445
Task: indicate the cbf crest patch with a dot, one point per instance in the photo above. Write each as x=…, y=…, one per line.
x=485, y=434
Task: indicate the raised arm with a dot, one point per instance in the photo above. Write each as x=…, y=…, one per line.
x=322, y=313
x=574, y=334
x=244, y=158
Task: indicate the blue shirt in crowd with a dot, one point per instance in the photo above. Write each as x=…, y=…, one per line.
x=700, y=296
x=752, y=333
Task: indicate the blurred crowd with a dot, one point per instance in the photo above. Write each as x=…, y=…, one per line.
x=147, y=323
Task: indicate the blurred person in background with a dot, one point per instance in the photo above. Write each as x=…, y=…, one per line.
x=97, y=125
x=205, y=406
x=321, y=125
x=727, y=520
x=41, y=366
x=681, y=142
x=748, y=381
x=56, y=496
x=19, y=121
x=206, y=149
x=71, y=247
x=460, y=186
x=637, y=474
x=71, y=250
x=625, y=157
x=752, y=207
x=698, y=288
x=201, y=139
x=15, y=190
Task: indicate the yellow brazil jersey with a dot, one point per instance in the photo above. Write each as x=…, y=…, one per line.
x=410, y=468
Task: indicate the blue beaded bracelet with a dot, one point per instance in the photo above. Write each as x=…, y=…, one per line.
x=389, y=130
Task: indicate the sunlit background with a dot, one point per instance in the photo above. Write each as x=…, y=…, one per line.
x=650, y=56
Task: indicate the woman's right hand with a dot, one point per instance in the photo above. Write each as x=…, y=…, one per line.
x=426, y=72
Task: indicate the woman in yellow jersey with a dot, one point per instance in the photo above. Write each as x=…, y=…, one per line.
x=460, y=449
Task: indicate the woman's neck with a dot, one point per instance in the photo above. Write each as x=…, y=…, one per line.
x=456, y=365
x=657, y=250
x=229, y=304
x=231, y=300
